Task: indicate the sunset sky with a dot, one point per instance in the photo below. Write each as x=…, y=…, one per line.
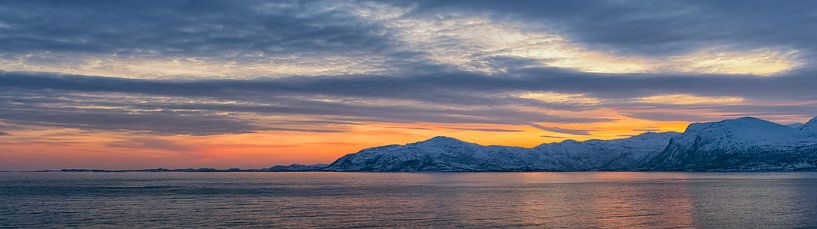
x=250, y=84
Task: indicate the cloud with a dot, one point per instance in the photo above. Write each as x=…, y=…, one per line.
x=157, y=122
x=457, y=87
x=217, y=107
x=409, y=128
x=487, y=130
x=184, y=28
x=4, y=133
x=183, y=39
x=474, y=41
x=193, y=67
x=551, y=97
x=150, y=143
x=550, y=136
x=564, y=131
x=690, y=99
x=669, y=116
x=656, y=28
x=186, y=39
x=238, y=106
x=180, y=67
x=303, y=130
x=106, y=112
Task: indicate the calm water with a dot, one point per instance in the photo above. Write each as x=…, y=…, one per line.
x=709, y=200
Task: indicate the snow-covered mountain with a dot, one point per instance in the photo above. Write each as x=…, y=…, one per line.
x=445, y=154
x=295, y=168
x=448, y=154
x=743, y=144
x=618, y=154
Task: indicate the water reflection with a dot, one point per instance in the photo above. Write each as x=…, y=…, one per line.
x=587, y=200
x=643, y=205
x=583, y=200
x=761, y=202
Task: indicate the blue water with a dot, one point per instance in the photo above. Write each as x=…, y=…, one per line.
x=707, y=200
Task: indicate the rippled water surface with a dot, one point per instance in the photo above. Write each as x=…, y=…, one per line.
x=709, y=200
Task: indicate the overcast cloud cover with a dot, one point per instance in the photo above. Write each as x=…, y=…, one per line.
x=219, y=67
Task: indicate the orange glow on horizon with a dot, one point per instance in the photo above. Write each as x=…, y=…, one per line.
x=72, y=148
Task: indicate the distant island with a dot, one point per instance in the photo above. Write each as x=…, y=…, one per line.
x=739, y=145
x=277, y=168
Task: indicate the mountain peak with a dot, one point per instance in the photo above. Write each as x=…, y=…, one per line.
x=810, y=126
x=442, y=140
x=743, y=123
x=748, y=121
x=812, y=122
x=738, y=134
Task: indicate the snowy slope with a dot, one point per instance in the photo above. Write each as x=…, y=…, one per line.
x=618, y=154
x=795, y=125
x=809, y=127
x=746, y=144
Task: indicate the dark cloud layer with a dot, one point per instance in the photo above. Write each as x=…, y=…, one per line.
x=421, y=91
x=247, y=30
x=659, y=27
x=53, y=100
x=453, y=98
x=182, y=27
x=460, y=88
x=42, y=113
x=205, y=28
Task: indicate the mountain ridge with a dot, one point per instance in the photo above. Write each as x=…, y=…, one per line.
x=568, y=155
x=740, y=144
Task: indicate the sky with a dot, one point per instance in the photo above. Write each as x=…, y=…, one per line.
x=250, y=84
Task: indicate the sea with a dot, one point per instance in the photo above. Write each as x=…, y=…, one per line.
x=408, y=200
